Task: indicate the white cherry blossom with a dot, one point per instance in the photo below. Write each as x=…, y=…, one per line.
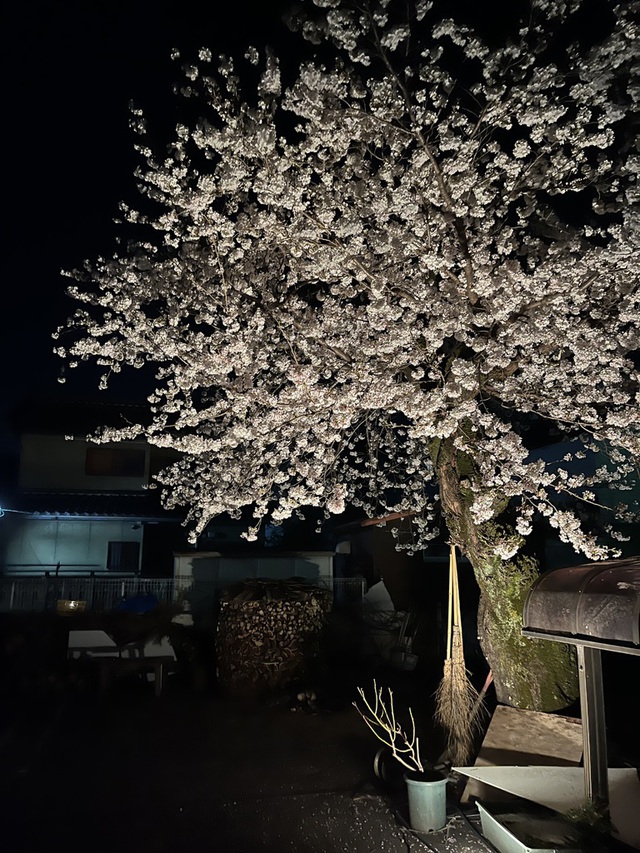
x=359, y=289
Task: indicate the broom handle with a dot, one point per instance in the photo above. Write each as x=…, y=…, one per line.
x=450, y=605
x=455, y=588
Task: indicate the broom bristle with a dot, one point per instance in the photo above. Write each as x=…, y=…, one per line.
x=458, y=707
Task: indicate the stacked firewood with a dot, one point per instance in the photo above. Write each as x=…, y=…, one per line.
x=268, y=633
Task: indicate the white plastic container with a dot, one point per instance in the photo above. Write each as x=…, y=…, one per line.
x=516, y=828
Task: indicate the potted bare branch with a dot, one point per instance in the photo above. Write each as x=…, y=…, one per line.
x=426, y=788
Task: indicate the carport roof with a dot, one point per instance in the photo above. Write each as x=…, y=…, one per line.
x=592, y=604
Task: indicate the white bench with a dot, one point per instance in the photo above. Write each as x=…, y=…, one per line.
x=155, y=658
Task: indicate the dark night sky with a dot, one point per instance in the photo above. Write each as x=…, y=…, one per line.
x=71, y=69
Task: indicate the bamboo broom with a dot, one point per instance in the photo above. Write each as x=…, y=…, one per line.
x=458, y=703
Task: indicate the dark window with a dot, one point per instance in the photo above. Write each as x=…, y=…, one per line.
x=160, y=459
x=123, y=557
x=114, y=462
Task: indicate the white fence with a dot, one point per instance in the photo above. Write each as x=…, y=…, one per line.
x=31, y=595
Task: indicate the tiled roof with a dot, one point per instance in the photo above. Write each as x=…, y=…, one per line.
x=145, y=505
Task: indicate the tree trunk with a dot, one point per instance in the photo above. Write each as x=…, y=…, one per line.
x=537, y=675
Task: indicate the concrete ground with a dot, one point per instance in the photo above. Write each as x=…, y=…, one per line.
x=191, y=770
x=133, y=773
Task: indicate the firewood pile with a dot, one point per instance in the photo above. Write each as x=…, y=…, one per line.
x=268, y=633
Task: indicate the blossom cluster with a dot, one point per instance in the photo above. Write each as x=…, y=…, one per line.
x=406, y=246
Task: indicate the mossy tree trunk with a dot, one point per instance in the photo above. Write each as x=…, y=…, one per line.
x=536, y=675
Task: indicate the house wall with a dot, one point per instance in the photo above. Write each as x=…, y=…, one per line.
x=205, y=573
x=54, y=462
x=35, y=545
x=224, y=570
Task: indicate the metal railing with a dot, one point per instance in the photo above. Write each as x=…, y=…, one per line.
x=101, y=593
x=27, y=569
x=23, y=594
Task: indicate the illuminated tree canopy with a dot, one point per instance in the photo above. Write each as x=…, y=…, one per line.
x=359, y=285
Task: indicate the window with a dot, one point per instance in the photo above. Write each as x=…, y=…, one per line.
x=160, y=458
x=123, y=557
x=114, y=462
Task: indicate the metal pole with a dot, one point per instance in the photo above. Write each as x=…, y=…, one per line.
x=594, y=733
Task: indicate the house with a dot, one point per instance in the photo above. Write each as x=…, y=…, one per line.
x=84, y=508
x=82, y=518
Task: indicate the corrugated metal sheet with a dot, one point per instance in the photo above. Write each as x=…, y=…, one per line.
x=593, y=601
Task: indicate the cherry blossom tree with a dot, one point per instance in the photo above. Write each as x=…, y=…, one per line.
x=359, y=286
